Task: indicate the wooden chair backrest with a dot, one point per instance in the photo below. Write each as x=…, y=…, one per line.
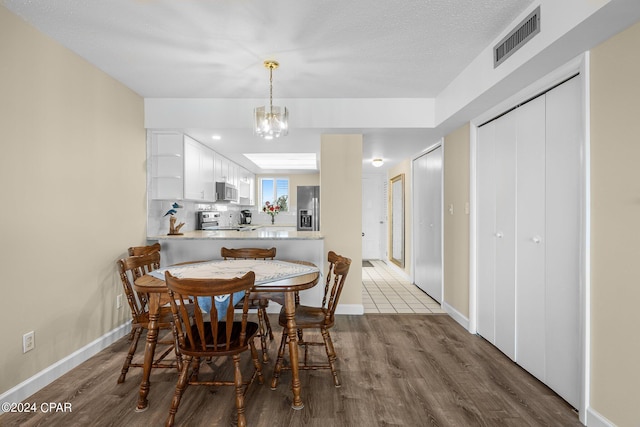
x=132, y=268
x=248, y=253
x=143, y=250
x=336, y=276
x=198, y=336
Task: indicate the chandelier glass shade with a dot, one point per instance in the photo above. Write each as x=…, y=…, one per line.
x=269, y=121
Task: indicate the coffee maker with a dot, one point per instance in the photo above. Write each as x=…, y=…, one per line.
x=245, y=216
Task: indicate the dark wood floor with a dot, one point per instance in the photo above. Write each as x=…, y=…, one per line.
x=396, y=370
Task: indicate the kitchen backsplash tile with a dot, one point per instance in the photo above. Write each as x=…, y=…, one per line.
x=158, y=223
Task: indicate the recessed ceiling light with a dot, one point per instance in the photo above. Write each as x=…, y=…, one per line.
x=377, y=162
x=284, y=160
x=216, y=137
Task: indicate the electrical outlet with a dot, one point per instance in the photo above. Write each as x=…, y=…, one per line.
x=28, y=341
x=119, y=301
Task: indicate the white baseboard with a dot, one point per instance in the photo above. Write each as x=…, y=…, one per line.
x=456, y=315
x=45, y=377
x=350, y=309
x=594, y=419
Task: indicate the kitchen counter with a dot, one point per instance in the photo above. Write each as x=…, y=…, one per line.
x=262, y=233
x=290, y=244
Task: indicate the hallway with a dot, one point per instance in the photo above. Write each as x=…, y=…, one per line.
x=385, y=291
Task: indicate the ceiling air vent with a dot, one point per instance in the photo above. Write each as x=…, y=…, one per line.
x=517, y=37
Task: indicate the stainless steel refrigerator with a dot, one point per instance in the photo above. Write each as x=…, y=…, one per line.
x=309, y=208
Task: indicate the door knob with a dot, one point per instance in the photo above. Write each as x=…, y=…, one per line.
x=499, y=235
x=536, y=239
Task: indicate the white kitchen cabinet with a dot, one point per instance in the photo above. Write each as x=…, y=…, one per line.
x=166, y=166
x=246, y=187
x=182, y=168
x=198, y=171
x=217, y=168
x=221, y=169
x=233, y=173
x=528, y=225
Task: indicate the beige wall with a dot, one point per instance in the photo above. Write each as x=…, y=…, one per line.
x=340, y=193
x=615, y=228
x=456, y=225
x=73, y=197
x=402, y=168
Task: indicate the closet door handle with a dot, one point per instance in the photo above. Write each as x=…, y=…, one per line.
x=499, y=235
x=536, y=239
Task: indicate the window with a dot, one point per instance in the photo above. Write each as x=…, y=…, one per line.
x=275, y=191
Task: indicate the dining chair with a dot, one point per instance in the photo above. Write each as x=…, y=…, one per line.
x=257, y=302
x=132, y=268
x=143, y=250
x=207, y=337
x=321, y=318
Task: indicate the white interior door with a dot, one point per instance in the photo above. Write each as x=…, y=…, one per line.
x=427, y=179
x=486, y=234
x=530, y=205
x=505, y=234
x=497, y=147
x=531, y=239
x=373, y=216
x=563, y=166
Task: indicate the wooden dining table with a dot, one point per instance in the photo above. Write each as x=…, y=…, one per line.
x=156, y=289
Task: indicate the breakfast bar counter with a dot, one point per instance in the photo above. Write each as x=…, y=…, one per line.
x=260, y=233
x=206, y=244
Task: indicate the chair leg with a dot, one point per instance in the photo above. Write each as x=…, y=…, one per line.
x=180, y=388
x=132, y=334
x=278, y=366
x=176, y=350
x=256, y=363
x=331, y=355
x=196, y=369
x=268, y=324
x=263, y=333
x=237, y=375
x=132, y=349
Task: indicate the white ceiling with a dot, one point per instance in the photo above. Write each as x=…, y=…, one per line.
x=327, y=49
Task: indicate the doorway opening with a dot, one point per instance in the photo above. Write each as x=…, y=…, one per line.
x=386, y=291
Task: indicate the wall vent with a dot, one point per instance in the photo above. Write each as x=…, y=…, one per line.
x=517, y=37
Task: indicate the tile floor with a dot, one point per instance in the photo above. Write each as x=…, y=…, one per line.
x=385, y=291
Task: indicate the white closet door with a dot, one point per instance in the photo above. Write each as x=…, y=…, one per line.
x=486, y=226
x=529, y=236
x=530, y=247
x=505, y=233
x=428, y=246
x=496, y=228
x=563, y=188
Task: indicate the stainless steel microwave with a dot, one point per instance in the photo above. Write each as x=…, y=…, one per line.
x=226, y=192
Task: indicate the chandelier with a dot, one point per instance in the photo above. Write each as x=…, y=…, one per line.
x=271, y=122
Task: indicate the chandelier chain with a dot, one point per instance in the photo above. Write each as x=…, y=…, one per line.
x=271, y=90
